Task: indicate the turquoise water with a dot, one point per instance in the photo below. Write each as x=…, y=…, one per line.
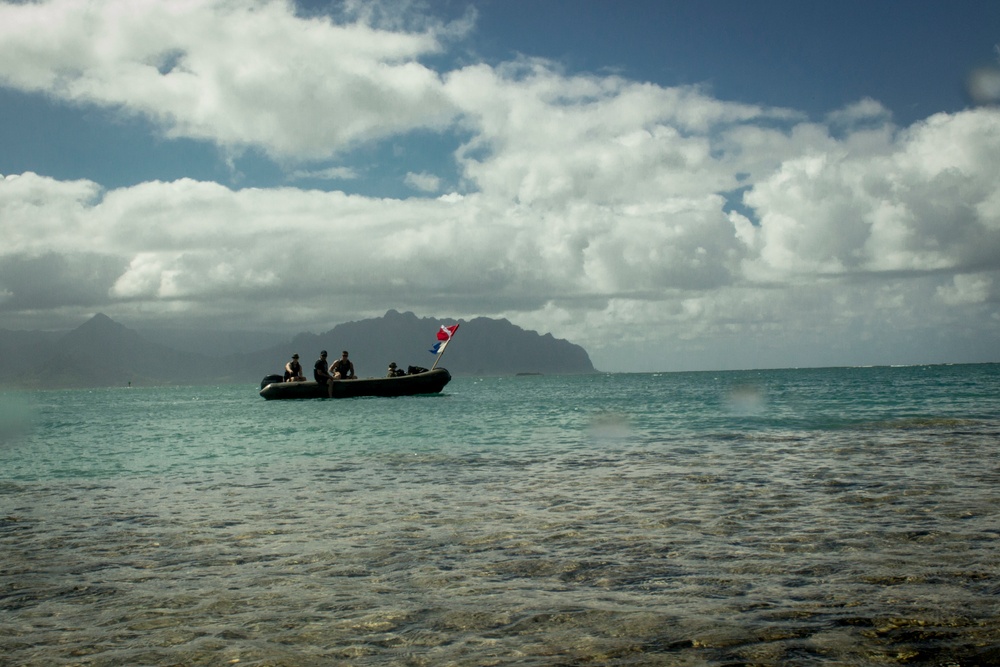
x=816, y=516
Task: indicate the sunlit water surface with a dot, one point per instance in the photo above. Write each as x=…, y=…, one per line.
x=833, y=516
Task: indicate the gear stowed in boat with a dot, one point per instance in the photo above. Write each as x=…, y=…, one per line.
x=422, y=381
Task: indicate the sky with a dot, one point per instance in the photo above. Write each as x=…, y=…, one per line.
x=672, y=185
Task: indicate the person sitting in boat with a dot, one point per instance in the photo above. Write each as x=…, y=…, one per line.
x=393, y=371
x=321, y=371
x=343, y=368
x=293, y=370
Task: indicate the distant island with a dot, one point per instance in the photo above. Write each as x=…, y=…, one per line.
x=102, y=352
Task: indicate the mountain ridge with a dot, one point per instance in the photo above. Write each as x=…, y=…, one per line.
x=102, y=352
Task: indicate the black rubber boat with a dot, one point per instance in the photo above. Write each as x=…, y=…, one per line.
x=273, y=388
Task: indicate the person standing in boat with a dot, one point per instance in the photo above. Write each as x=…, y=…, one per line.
x=343, y=368
x=293, y=370
x=321, y=370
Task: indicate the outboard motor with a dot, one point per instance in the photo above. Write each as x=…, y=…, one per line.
x=271, y=379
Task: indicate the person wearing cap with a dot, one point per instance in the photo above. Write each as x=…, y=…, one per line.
x=321, y=370
x=293, y=370
x=393, y=371
x=343, y=368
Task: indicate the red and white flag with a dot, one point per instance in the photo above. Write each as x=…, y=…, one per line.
x=444, y=337
x=447, y=332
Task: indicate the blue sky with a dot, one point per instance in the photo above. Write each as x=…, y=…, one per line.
x=672, y=185
x=812, y=56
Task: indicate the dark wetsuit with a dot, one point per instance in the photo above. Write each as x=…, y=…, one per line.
x=319, y=371
x=344, y=367
x=296, y=370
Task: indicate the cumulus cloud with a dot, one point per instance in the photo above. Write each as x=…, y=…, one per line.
x=926, y=202
x=236, y=74
x=547, y=139
x=650, y=224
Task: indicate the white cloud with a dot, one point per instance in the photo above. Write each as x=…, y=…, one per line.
x=927, y=202
x=423, y=181
x=546, y=139
x=965, y=289
x=328, y=174
x=237, y=74
x=39, y=214
x=866, y=111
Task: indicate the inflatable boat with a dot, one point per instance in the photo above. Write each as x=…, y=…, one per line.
x=272, y=387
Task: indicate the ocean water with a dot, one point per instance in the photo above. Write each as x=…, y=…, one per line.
x=794, y=517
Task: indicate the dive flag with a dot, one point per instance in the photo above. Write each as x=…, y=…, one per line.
x=447, y=332
x=444, y=337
